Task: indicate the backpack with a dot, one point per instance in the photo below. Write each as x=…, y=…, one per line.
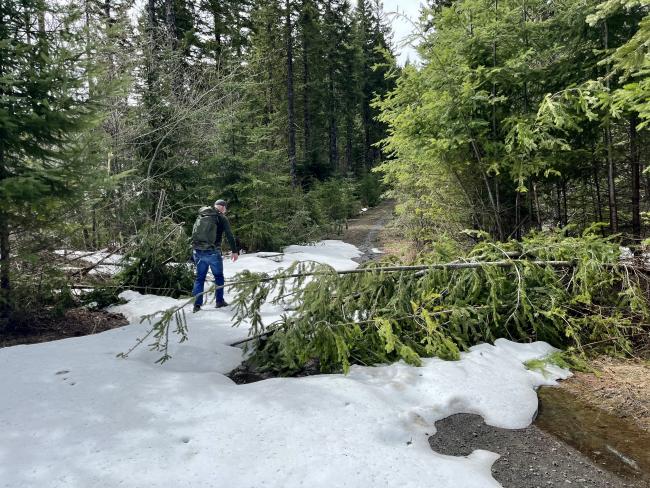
x=204, y=232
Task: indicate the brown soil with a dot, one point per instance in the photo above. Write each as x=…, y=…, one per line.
x=366, y=230
x=619, y=386
x=44, y=325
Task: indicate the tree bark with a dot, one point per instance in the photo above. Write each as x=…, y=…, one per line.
x=367, y=157
x=517, y=217
x=558, y=204
x=348, y=141
x=599, y=204
x=151, y=13
x=306, y=113
x=494, y=65
x=170, y=22
x=611, y=188
x=611, y=174
x=564, y=203
x=333, y=129
x=290, y=100
x=635, y=163
x=5, y=262
x=538, y=216
x=218, y=25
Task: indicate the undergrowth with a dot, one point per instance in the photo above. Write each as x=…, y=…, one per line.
x=158, y=261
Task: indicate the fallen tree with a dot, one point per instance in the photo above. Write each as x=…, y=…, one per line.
x=571, y=292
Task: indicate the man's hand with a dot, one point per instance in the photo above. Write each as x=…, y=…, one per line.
x=234, y=257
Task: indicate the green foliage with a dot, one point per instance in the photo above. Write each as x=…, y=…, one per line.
x=380, y=316
x=158, y=261
x=563, y=359
x=501, y=128
x=102, y=297
x=370, y=189
x=332, y=202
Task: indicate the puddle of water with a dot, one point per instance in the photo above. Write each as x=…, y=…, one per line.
x=614, y=443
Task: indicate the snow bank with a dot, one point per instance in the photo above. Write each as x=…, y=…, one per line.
x=73, y=415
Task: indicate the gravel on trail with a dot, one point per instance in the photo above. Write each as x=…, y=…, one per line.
x=530, y=458
x=363, y=231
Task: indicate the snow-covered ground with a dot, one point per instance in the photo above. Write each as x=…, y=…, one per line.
x=110, y=263
x=73, y=415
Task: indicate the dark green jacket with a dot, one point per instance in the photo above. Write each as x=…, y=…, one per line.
x=208, y=230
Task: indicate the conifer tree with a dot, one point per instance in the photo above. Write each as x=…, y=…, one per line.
x=44, y=105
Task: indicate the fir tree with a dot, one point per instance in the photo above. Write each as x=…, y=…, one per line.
x=44, y=105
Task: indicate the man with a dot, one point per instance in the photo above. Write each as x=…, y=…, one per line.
x=208, y=230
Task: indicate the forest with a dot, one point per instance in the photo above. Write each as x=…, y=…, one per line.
x=521, y=122
x=440, y=267
x=118, y=121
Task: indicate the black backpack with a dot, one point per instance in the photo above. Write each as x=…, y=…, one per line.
x=204, y=232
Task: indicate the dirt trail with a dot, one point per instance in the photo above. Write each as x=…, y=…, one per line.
x=364, y=231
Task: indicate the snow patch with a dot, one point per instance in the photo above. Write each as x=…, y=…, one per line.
x=74, y=416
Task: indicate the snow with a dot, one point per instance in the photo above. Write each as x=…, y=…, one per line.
x=626, y=253
x=73, y=415
x=111, y=263
x=375, y=250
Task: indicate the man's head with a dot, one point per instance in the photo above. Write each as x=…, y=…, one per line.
x=221, y=206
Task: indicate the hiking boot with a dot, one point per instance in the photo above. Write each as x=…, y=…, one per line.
x=196, y=308
x=221, y=304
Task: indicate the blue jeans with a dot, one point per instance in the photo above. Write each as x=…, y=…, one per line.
x=203, y=261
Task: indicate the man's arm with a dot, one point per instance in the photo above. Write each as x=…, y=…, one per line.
x=231, y=239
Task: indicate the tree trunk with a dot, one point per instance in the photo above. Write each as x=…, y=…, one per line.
x=306, y=113
x=151, y=26
x=95, y=239
x=564, y=204
x=538, y=216
x=5, y=262
x=558, y=204
x=348, y=141
x=333, y=130
x=367, y=160
x=517, y=217
x=599, y=204
x=218, y=25
x=107, y=11
x=635, y=162
x=497, y=208
x=611, y=188
x=170, y=22
x=151, y=13
x=494, y=65
x=290, y=100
